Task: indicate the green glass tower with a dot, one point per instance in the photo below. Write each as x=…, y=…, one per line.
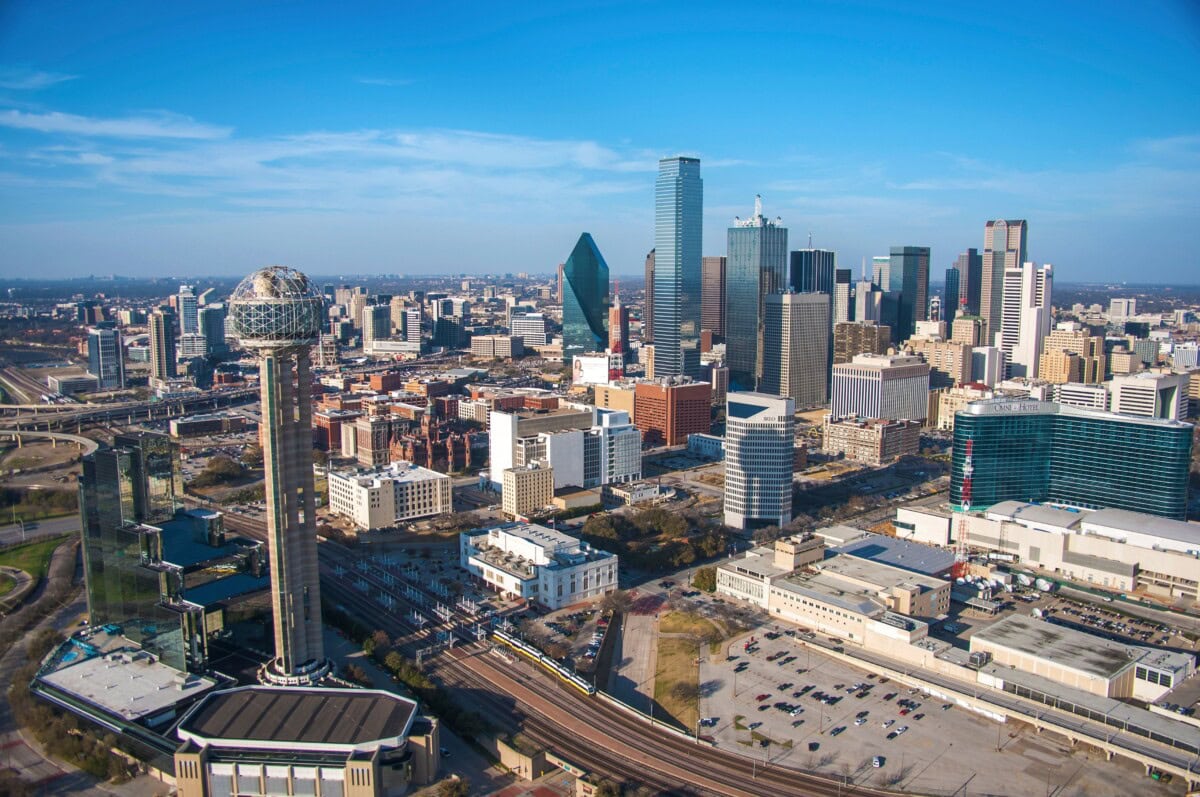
x=585, y=300
x=1038, y=451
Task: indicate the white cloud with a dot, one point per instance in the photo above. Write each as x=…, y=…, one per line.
x=161, y=125
x=20, y=79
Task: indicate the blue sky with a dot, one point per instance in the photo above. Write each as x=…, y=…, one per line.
x=419, y=138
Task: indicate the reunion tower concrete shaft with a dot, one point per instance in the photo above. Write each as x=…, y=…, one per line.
x=277, y=312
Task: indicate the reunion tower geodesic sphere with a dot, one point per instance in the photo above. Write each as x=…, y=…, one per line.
x=276, y=307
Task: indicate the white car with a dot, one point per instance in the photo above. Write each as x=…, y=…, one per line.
x=901, y=729
x=861, y=721
x=877, y=761
x=887, y=723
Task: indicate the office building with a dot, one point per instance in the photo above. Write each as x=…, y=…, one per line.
x=382, y=497
x=969, y=265
x=276, y=312
x=451, y=317
x=987, y=365
x=894, y=386
x=868, y=303
x=757, y=268
x=376, y=325
x=950, y=291
x=106, y=356
x=717, y=376
x=70, y=385
x=192, y=345
x=881, y=267
x=187, y=305
x=954, y=400
x=1121, y=309
x=759, y=443
x=869, y=440
x=1070, y=337
x=258, y=740
x=526, y=490
x=648, y=299
x=162, y=345
x=712, y=294
x=811, y=271
x=537, y=564
x=583, y=447
x=1025, y=317
x=667, y=409
x=949, y=361
x=532, y=328
x=1151, y=395
x=1004, y=247
x=585, y=300
x=748, y=577
x=212, y=327
x=906, y=294
x=967, y=329
x=796, y=347
x=1076, y=394
x=497, y=347
x=678, y=236
x=1060, y=367
x=1027, y=450
x=618, y=328
x=841, y=295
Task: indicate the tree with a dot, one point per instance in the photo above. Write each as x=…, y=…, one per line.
x=394, y=662
x=457, y=786
x=382, y=640
x=252, y=457
x=705, y=579
x=606, y=788
x=617, y=601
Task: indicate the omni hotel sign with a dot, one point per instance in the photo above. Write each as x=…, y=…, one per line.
x=1010, y=407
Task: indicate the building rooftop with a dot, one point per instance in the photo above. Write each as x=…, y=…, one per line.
x=1025, y=406
x=1039, y=514
x=398, y=471
x=841, y=534
x=222, y=589
x=912, y=556
x=823, y=587
x=1062, y=646
x=300, y=718
x=877, y=574
x=127, y=683
x=1152, y=525
x=757, y=562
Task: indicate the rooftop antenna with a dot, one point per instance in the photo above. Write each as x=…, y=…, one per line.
x=810, y=240
x=758, y=206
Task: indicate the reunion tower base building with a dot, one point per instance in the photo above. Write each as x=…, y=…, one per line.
x=276, y=311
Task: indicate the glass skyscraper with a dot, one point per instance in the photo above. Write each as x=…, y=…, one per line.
x=811, y=271
x=678, y=230
x=106, y=356
x=950, y=295
x=1025, y=450
x=907, y=290
x=756, y=267
x=585, y=300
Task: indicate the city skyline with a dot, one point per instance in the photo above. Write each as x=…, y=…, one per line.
x=416, y=157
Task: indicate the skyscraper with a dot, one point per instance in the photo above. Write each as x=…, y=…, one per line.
x=212, y=327
x=106, y=360
x=907, y=290
x=188, y=304
x=796, y=347
x=1025, y=320
x=841, y=295
x=618, y=328
x=970, y=271
x=277, y=312
x=376, y=325
x=1004, y=245
x=811, y=271
x=678, y=233
x=757, y=267
x=585, y=300
x=759, y=444
x=162, y=345
x=950, y=295
x=712, y=295
x=881, y=266
x=648, y=301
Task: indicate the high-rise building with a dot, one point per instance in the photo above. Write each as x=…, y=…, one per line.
x=1070, y=337
x=648, y=301
x=276, y=312
x=712, y=294
x=668, y=409
x=1120, y=309
x=533, y=328
x=796, y=347
x=585, y=300
x=970, y=270
x=759, y=446
x=852, y=339
x=1026, y=450
x=451, y=317
x=1004, y=247
x=1151, y=395
x=188, y=306
x=618, y=328
x=1025, y=320
x=757, y=268
x=811, y=271
x=526, y=489
x=906, y=295
x=949, y=361
x=558, y=289
x=841, y=295
x=678, y=236
x=966, y=329
x=212, y=327
x=106, y=356
x=376, y=325
x=881, y=267
x=894, y=386
x=162, y=345
x=950, y=294
x=868, y=303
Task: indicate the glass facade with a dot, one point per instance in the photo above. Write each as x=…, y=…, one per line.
x=950, y=296
x=585, y=300
x=1043, y=452
x=811, y=271
x=678, y=230
x=907, y=296
x=756, y=267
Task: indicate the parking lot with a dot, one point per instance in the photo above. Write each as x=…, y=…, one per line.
x=786, y=703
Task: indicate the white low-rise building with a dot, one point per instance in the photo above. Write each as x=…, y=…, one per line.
x=380, y=497
x=538, y=564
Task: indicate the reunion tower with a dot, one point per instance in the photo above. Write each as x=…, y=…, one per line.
x=277, y=312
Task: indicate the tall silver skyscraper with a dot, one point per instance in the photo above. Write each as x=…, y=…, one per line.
x=796, y=347
x=757, y=267
x=189, y=306
x=1004, y=247
x=678, y=230
x=759, y=445
x=1025, y=321
x=277, y=312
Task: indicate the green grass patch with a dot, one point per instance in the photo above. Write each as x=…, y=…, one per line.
x=676, y=683
x=695, y=626
x=738, y=725
x=744, y=743
x=7, y=584
x=32, y=557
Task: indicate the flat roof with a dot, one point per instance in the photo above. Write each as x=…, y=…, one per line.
x=223, y=589
x=757, y=561
x=1065, y=647
x=827, y=589
x=877, y=573
x=1041, y=514
x=398, y=471
x=533, y=532
x=1152, y=525
x=127, y=683
x=299, y=717
x=904, y=554
x=1026, y=406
